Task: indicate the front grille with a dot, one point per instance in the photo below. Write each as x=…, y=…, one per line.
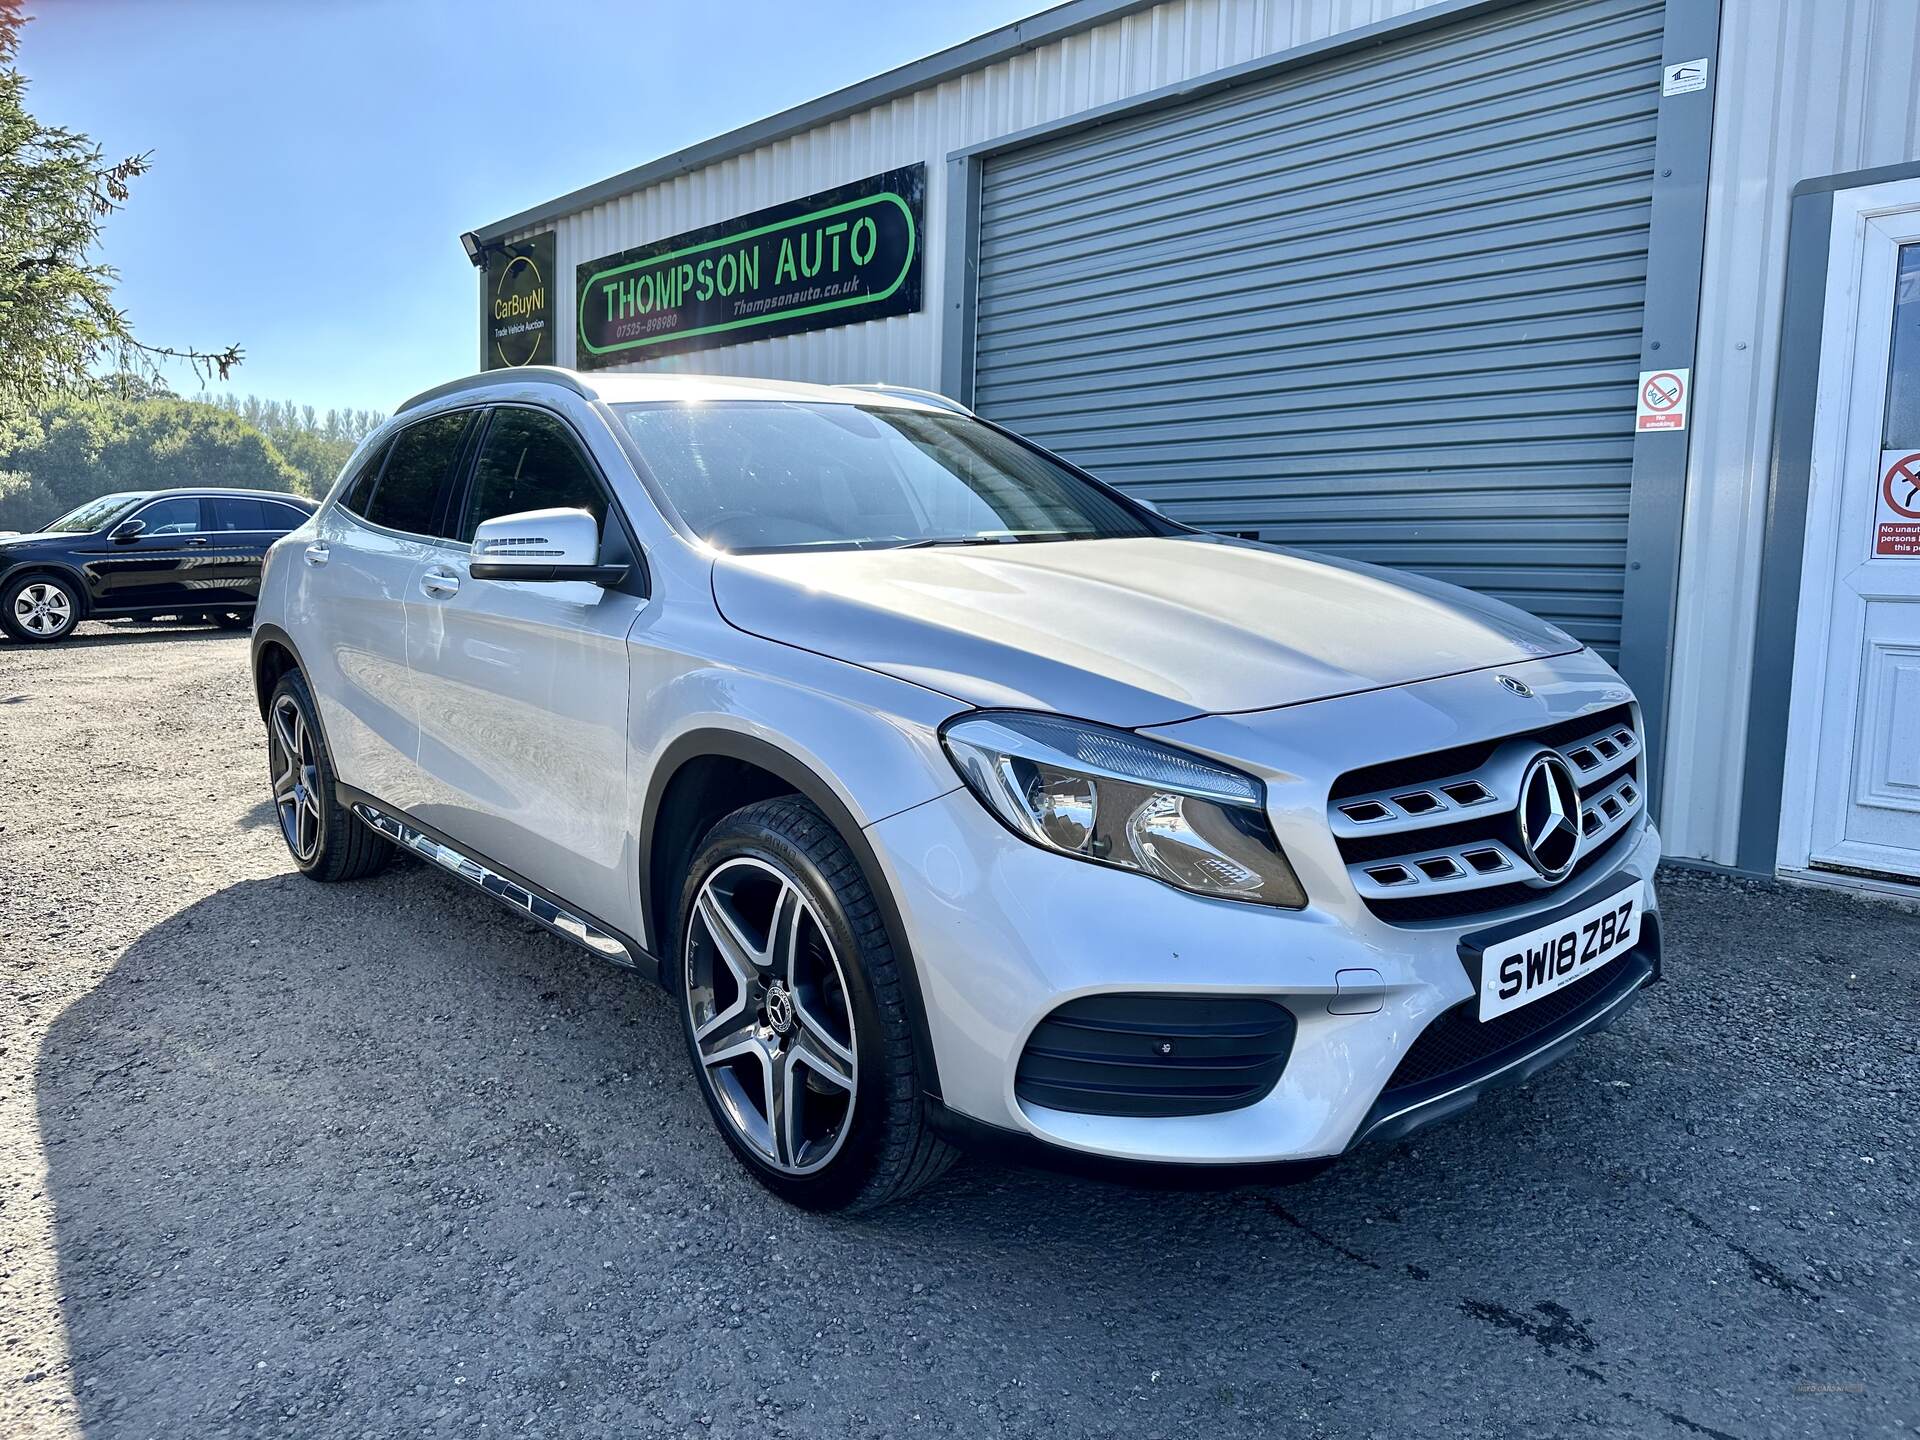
x=1436, y=836
x=1155, y=1055
x=1458, y=1046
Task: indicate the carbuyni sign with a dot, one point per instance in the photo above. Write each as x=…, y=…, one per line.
x=519, y=303
x=848, y=254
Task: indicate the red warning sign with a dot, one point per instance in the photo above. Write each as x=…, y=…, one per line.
x=1662, y=401
x=1900, y=486
x=1896, y=530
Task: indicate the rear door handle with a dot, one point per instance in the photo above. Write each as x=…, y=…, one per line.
x=317, y=553
x=197, y=540
x=440, y=582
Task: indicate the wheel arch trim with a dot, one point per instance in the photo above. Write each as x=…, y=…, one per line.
x=27, y=569
x=715, y=742
x=263, y=636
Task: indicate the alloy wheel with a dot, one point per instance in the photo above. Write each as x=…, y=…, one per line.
x=296, y=778
x=43, y=609
x=772, y=1018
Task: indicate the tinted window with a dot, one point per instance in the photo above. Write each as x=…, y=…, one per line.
x=753, y=475
x=408, y=495
x=359, y=491
x=281, y=518
x=176, y=515
x=230, y=512
x=529, y=462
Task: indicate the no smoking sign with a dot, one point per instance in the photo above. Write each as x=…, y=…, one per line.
x=1662, y=403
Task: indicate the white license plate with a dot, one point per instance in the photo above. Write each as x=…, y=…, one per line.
x=1519, y=971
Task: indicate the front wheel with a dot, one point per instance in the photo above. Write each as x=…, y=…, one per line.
x=794, y=1015
x=40, y=608
x=325, y=840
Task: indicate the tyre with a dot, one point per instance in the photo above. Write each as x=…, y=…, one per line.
x=795, y=1017
x=41, y=608
x=324, y=838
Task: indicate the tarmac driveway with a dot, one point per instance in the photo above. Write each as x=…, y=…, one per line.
x=279, y=1159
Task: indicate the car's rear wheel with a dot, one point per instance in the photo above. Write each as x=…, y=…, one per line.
x=324, y=838
x=40, y=608
x=794, y=1014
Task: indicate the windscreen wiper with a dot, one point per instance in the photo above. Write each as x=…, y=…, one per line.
x=1006, y=539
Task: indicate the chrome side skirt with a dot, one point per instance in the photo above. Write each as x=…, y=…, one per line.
x=557, y=918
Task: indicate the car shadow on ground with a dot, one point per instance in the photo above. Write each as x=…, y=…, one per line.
x=91, y=633
x=378, y=1158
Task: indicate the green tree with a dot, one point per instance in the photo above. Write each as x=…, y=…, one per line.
x=316, y=444
x=58, y=320
x=80, y=446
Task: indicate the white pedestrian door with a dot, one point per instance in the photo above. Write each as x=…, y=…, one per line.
x=1853, y=802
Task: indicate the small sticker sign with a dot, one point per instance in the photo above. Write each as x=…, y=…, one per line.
x=1684, y=78
x=1896, y=520
x=1663, y=400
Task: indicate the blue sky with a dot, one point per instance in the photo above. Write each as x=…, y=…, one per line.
x=314, y=164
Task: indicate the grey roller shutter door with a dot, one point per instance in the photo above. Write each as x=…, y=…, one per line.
x=1388, y=306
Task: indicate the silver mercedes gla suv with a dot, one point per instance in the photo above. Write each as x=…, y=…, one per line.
x=954, y=797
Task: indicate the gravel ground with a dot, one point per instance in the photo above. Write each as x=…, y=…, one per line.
x=281, y=1159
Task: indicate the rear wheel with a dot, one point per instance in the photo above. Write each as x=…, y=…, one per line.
x=324, y=838
x=794, y=1015
x=40, y=608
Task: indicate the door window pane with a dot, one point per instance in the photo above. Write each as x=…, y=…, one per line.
x=529, y=462
x=1903, y=364
x=408, y=495
x=230, y=512
x=176, y=515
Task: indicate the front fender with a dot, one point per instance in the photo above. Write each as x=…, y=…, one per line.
x=12, y=569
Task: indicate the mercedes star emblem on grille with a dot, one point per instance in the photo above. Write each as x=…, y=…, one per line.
x=1550, y=815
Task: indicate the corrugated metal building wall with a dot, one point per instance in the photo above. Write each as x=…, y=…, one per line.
x=1127, y=56
x=1388, y=306
x=1805, y=88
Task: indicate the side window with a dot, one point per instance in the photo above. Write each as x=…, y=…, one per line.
x=359, y=492
x=408, y=495
x=280, y=518
x=530, y=462
x=176, y=515
x=230, y=512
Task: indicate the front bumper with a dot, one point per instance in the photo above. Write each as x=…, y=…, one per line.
x=1004, y=933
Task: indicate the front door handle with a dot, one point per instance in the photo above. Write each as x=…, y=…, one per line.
x=440, y=582
x=317, y=553
x=196, y=540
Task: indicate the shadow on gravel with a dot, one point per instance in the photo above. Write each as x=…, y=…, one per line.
x=94, y=633
x=371, y=1158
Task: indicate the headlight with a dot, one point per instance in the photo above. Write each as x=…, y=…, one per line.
x=1116, y=799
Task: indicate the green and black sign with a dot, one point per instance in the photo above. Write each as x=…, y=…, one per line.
x=518, y=324
x=849, y=254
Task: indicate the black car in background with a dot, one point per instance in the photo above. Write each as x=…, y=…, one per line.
x=188, y=553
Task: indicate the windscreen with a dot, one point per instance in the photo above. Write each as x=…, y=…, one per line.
x=751, y=476
x=85, y=519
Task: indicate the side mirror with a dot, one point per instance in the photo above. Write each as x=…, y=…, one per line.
x=541, y=545
x=127, y=531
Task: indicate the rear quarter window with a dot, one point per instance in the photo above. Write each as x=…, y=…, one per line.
x=359, y=491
